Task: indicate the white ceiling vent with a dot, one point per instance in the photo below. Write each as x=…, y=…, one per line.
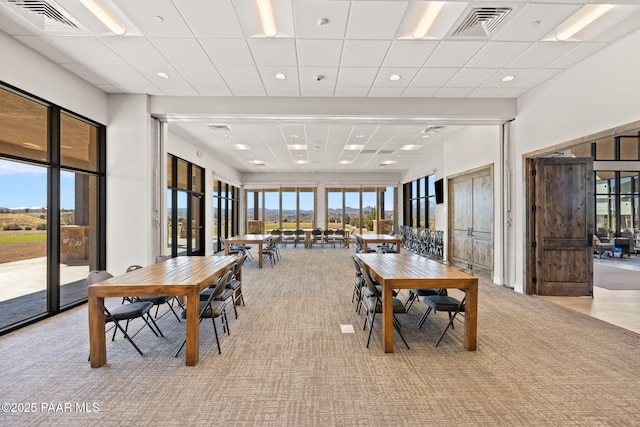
x=482, y=21
x=46, y=15
x=220, y=128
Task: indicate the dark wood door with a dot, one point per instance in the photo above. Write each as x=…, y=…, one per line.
x=563, y=223
x=471, y=219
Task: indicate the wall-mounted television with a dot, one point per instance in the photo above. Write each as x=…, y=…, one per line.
x=439, y=187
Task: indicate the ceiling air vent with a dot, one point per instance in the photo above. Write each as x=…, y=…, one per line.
x=220, y=128
x=482, y=21
x=432, y=129
x=46, y=15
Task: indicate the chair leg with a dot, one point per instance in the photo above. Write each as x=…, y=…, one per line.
x=444, y=331
x=410, y=300
x=424, y=317
x=396, y=325
x=154, y=324
x=126, y=335
x=373, y=318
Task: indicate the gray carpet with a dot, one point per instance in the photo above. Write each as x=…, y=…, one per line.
x=616, y=277
x=286, y=363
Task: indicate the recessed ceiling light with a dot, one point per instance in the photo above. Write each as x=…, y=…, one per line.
x=267, y=18
x=158, y=18
x=345, y=162
x=359, y=136
x=280, y=76
x=297, y=147
x=395, y=77
x=301, y=162
x=293, y=136
x=241, y=147
x=353, y=147
x=256, y=162
x=163, y=75
x=389, y=162
x=410, y=147
x=507, y=78
x=425, y=136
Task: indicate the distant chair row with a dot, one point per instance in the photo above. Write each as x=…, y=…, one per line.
x=317, y=236
x=422, y=241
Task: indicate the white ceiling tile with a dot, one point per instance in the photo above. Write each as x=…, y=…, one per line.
x=248, y=90
x=148, y=88
x=228, y=51
x=419, y=92
x=409, y=53
x=144, y=15
x=375, y=19
x=453, y=54
x=453, y=92
x=282, y=90
x=212, y=90
x=50, y=50
x=386, y=91
x=535, y=20
x=309, y=76
x=471, y=77
x=539, y=77
x=273, y=51
x=268, y=75
x=433, y=77
x=514, y=92
x=486, y=92
x=519, y=74
x=122, y=74
x=581, y=52
x=357, y=76
x=541, y=54
x=309, y=13
x=240, y=76
x=319, y=52
x=89, y=74
x=181, y=50
x=619, y=29
x=316, y=91
x=109, y=88
x=210, y=18
x=87, y=49
x=350, y=91
x=497, y=54
x=383, y=79
x=136, y=50
x=200, y=74
x=364, y=53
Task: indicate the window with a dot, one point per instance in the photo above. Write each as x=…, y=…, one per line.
x=225, y=212
x=361, y=210
x=420, y=202
x=52, y=207
x=185, y=208
x=284, y=208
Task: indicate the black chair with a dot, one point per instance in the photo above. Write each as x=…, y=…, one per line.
x=159, y=300
x=446, y=303
x=235, y=284
x=316, y=237
x=288, y=236
x=211, y=307
x=373, y=305
x=415, y=294
x=127, y=311
x=270, y=251
x=299, y=237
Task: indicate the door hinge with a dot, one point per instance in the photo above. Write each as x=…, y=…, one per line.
x=534, y=280
x=533, y=172
x=534, y=208
x=534, y=244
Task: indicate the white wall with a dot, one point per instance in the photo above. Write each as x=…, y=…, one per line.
x=599, y=93
x=130, y=163
x=29, y=71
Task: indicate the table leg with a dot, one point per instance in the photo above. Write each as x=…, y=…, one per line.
x=387, y=318
x=365, y=247
x=398, y=244
x=226, y=248
x=97, y=339
x=193, y=327
x=471, y=317
x=259, y=254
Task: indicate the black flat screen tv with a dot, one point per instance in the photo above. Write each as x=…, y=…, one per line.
x=439, y=187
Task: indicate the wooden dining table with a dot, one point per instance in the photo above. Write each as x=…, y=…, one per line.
x=180, y=276
x=411, y=271
x=249, y=239
x=378, y=238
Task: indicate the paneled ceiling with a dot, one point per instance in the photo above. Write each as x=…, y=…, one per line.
x=336, y=49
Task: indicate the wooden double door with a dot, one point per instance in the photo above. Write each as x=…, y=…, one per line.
x=471, y=236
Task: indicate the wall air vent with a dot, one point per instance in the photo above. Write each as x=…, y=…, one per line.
x=46, y=15
x=482, y=21
x=220, y=128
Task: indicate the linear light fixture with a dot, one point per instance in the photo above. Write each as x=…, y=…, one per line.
x=427, y=19
x=104, y=16
x=266, y=16
x=579, y=20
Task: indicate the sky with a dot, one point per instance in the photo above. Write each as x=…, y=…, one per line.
x=25, y=186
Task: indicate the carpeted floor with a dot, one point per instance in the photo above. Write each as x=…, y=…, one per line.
x=616, y=277
x=286, y=362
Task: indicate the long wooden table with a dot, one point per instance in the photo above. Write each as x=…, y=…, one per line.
x=181, y=276
x=249, y=239
x=411, y=271
x=378, y=238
